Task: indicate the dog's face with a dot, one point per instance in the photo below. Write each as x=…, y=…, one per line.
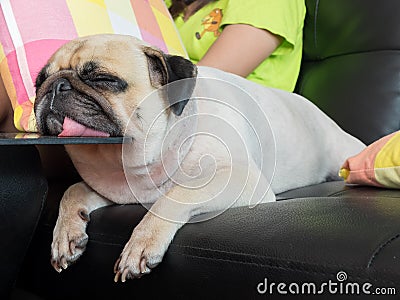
x=97, y=82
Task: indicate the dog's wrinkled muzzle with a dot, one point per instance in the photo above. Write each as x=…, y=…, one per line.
x=66, y=106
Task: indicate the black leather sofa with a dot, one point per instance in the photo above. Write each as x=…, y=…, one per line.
x=316, y=234
x=22, y=194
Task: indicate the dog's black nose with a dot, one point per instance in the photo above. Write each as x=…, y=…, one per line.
x=61, y=85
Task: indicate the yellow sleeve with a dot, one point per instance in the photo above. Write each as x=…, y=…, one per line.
x=281, y=17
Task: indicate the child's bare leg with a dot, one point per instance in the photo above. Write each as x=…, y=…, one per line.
x=6, y=111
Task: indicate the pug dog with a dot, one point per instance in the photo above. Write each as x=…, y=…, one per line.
x=201, y=141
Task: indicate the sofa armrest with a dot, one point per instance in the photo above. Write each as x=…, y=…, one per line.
x=298, y=240
x=22, y=193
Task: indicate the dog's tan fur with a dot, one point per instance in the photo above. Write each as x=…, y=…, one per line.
x=143, y=175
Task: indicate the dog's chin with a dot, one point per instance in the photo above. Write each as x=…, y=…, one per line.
x=53, y=126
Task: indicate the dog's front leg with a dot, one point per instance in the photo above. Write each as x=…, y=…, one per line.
x=152, y=236
x=69, y=235
x=150, y=239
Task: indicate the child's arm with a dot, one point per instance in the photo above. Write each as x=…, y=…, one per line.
x=240, y=49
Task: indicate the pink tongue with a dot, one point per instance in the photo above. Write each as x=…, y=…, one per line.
x=72, y=128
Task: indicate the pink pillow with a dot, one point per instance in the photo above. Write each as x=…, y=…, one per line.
x=30, y=31
x=376, y=165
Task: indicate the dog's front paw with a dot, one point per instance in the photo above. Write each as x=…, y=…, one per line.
x=144, y=251
x=69, y=241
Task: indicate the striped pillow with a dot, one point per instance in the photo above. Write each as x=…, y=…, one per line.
x=30, y=31
x=377, y=165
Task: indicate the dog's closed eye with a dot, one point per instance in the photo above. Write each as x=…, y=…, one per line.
x=94, y=75
x=108, y=82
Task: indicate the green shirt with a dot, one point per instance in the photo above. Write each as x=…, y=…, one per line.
x=284, y=18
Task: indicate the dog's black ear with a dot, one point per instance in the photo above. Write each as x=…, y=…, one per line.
x=164, y=69
x=41, y=77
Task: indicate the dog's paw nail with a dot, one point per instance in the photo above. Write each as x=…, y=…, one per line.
x=116, y=277
x=116, y=265
x=64, y=263
x=146, y=271
x=55, y=266
x=125, y=275
x=143, y=265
